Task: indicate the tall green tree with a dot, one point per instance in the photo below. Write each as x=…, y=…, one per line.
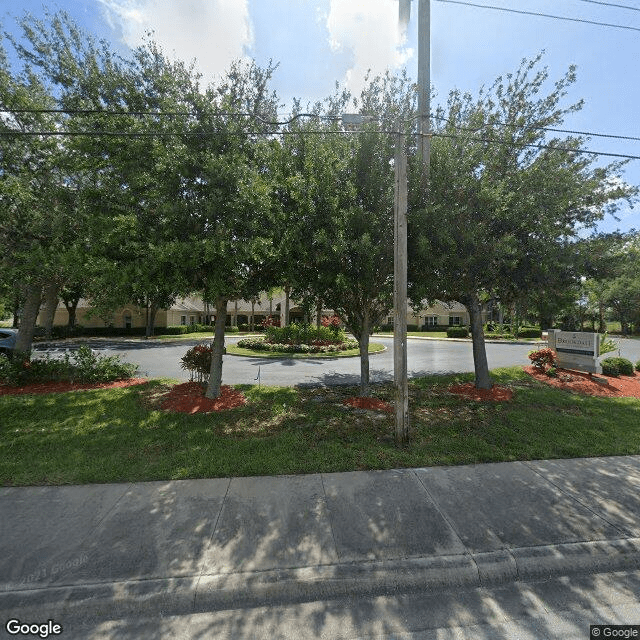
x=225, y=225
x=502, y=213
x=337, y=193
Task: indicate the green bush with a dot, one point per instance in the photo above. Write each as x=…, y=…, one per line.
x=617, y=367
x=457, y=332
x=232, y=330
x=638, y=365
x=296, y=334
x=530, y=333
x=82, y=366
x=258, y=344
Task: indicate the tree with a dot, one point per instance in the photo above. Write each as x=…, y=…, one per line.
x=337, y=192
x=502, y=213
x=224, y=221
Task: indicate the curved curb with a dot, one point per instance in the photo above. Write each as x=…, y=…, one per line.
x=301, y=356
x=195, y=594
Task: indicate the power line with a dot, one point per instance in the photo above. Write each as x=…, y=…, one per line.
x=612, y=4
x=542, y=15
x=590, y=134
x=539, y=146
x=293, y=118
x=149, y=134
x=225, y=114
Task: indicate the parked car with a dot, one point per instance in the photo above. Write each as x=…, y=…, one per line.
x=8, y=339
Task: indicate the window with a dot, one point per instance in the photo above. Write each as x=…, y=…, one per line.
x=127, y=320
x=183, y=319
x=192, y=319
x=431, y=321
x=455, y=321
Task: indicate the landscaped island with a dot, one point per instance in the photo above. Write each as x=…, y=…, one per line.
x=299, y=339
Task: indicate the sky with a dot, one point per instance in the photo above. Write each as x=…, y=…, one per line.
x=319, y=42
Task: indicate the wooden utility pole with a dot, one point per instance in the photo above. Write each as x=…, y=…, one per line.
x=424, y=83
x=400, y=381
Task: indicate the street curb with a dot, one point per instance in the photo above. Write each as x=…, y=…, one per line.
x=195, y=594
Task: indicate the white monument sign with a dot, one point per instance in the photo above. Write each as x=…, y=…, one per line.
x=576, y=350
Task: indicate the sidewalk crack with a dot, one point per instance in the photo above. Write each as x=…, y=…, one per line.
x=213, y=530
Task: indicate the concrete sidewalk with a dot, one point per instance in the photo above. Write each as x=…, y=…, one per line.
x=202, y=545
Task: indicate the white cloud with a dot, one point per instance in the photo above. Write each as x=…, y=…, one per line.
x=369, y=30
x=214, y=32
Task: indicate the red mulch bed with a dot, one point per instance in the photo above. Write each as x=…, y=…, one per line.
x=62, y=387
x=189, y=398
x=495, y=394
x=369, y=403
x=622, y=387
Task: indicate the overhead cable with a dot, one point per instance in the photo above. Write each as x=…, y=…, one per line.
x=542, y=15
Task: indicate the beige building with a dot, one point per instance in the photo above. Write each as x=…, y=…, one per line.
x=193, y=310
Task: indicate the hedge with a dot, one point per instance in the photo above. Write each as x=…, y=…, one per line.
x=530, y=333
x=457, y=332
x=617, y=367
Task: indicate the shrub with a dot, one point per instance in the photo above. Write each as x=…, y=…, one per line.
x=543, y=358
x=457, y=332
x=243, y=326
x=82, y=366
x=530, y=333
x=258, y=344
x=606, y=344
x=197, y=361
x=638, y=365
x=617, y=367
x=304, y=334
x=232, y=330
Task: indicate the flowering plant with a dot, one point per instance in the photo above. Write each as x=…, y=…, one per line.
x=198, y=362
x=543, y=358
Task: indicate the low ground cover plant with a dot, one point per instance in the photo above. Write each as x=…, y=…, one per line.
x=83, y=365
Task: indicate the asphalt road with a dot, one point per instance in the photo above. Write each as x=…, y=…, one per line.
x=423, y=357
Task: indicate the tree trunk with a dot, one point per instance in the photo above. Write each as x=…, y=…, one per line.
x=152, y=312
x=253, y=310
x=319, y=313
x=235, y=314
x=287, y=290
x=480, y=364
x=602, y=328
x=215, y=377
x=50, y=305
x=71, y=310
x=16, y=312
x=363, y=341
x=28, y=321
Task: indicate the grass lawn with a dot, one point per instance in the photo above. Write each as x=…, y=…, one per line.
x=349, y=353
x=117, y=435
